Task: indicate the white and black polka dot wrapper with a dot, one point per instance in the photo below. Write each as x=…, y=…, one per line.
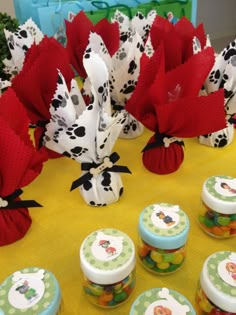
x=87, y=134
x=124, y=69
x=19, y=42
x=223, y=75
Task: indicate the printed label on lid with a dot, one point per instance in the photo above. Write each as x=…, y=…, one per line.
x=28, y=289
x=107, y=247
x=161, y=302
x=227, y=270
x=222, y=187
x=165, y=217
x=221, y=268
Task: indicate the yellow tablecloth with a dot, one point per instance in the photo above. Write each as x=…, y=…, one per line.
x=60, y=226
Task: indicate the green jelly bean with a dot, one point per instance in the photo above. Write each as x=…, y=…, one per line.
x=168, y=257
x=120, y=297
x=224, y=221
x=208, y=223
x=201, y=219
x=233, y=217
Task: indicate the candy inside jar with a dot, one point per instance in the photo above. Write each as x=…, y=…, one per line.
x=218, y=211
x=107, y=259
x=110, y=295
x=163, y=232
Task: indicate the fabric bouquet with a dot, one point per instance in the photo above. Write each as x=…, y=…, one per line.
x=35, y=84
x=177, y=40
x=20, y=164
x=77, y=33
x=222, y=76
x=167, y=103
x=87, y=134
x=18, y=43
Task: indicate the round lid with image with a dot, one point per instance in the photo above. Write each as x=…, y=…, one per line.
x=219, y=194
x=161, y=301
x=218, y=280
x=107, y=256
x=164, y=226
x=30, y=291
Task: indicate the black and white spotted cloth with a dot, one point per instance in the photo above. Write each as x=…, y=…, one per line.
x=87, y=134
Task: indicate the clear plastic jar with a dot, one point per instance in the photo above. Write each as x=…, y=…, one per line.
x=161, y=301
x=216, y=291
x=217, y=215
x=163, y=231
x=107, y=259
x=30, y=291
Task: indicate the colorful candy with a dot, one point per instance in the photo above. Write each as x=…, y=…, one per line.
x=163, y=232
x=107, y=260
x=218, y=212
x=161, y=261
x=109, y=295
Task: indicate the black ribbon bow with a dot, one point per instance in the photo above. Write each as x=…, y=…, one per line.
x=94, y=169
x=9, y=201
x=159, y=141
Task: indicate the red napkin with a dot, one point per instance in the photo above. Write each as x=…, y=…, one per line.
x=177, y=39
x=77, y=33
x=19, y=166
x=35, y=84
x=168, y=104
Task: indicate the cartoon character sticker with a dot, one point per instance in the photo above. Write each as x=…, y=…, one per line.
x=227, y=270
x=166, y=304
x=27, y=290
x=226, y=187
x=165, y=217
x=107, y=247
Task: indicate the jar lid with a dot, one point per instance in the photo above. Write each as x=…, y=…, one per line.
x=164, y=226
x=218, y=280
x=30, y=291
x=107, y=256
x=219, y=194
x=161, y=301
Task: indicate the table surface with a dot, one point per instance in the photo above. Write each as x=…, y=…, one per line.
x=60, y=226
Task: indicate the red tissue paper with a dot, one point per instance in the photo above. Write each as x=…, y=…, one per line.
x=35, y=84
x=77, y=33
x=167, y=103
x=20, y=164
x=176, y=38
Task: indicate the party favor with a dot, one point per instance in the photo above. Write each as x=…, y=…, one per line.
x=87, y=134
x=77, y=33
x=18, y=43
x=19, y=166
x=222, y=76
x=35, y=84
x=167, y=103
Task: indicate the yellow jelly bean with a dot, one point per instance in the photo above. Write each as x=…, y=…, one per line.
x=205, y=306
x=157, y=257
x=178, y=258
x=163, y=265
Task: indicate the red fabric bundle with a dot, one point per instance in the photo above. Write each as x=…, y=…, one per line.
x=77, y=33
x=35, y=84
x=168, y=104
x=20, y=164
x=176, y=38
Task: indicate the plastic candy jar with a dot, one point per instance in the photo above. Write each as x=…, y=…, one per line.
x=30, y=291
x=107, y=259
x=163, y=231
x=216, y=291
x=161, y=301
x=218, y=211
